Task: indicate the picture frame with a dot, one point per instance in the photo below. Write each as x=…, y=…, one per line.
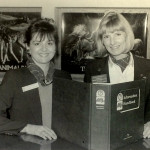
x=13, y=23
x=71, y=20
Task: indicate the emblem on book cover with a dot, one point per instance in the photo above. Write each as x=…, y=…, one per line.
x=120, y=101
x=100, y=97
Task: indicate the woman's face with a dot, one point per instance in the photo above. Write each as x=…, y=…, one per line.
x=42, y=50
x=115, y=42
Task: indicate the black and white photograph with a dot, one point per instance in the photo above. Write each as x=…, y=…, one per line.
x=13, y=24
x=74, y=75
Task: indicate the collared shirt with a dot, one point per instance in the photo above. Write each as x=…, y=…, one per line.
x=122, y=63
x=117, y=76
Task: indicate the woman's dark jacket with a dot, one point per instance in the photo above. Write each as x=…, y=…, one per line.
x=141, y=70
x=18, y=108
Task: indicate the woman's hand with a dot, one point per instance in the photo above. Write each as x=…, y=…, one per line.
x=146, y=133
x=41, y=131
x=35, y=139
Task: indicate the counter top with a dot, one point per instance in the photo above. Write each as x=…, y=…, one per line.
x=28, y=142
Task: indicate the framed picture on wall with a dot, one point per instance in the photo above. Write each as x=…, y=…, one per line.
x=13, y=23
x=77, y=27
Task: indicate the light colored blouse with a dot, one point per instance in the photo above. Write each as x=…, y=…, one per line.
x=116, y=74
x=45, y=93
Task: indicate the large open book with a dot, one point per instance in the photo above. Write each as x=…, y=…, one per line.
x=98, y=116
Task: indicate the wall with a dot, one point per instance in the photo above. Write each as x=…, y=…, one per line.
x=48, y=6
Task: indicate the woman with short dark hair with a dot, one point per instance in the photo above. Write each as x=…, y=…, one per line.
x=26, y=93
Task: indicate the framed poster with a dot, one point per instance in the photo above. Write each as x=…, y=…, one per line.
x=13, y=23
x=77, y=27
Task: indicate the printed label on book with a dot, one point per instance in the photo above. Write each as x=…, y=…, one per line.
x=100, y=99
x=128, y=100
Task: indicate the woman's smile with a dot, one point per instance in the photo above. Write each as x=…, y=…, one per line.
x=44, y=54
x=114, y=47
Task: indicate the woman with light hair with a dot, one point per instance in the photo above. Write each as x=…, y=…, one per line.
x=115, y=23
x=115, y=36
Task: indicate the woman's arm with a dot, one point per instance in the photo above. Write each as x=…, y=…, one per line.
x=7, y=90
x=146, y=133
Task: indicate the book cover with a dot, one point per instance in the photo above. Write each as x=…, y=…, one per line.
x=98, y=116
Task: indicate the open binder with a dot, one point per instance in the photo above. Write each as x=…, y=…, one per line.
x=98, y=116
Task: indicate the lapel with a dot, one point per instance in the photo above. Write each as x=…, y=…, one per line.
x=138, y=71
x=33, y=98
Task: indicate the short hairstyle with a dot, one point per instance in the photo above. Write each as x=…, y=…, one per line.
x=42, y=27
x=113, y=21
